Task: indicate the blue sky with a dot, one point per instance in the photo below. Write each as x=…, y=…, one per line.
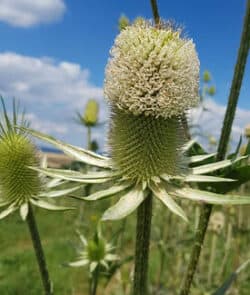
x=53, y=54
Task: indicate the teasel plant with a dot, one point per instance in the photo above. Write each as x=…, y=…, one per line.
x=152, y=80
x=221, y=154
x=89, y=118
x=22, y=188
x=96, y=254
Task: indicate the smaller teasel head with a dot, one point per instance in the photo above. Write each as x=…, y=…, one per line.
x=94, y=252
x=21, y=183
x=152, y=71
x=90, y=115
x=18, y=183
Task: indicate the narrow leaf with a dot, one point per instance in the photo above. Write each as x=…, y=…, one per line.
x=211, y=198
x=49, y=206
x=79, y=154
x=200, y=158
x=106, y=193
x=58, y=193
x=188, y=145
x=24, y=209
x=126, y=205
x=7, y=211
x=78, y=263
x=72, y=175
x=205, y=178
x=160, y=192
x=208, y=168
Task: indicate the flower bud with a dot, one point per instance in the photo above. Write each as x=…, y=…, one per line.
x=90, y=116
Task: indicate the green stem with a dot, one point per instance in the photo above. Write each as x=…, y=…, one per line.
x=95, y=280
x=155, y=11
x=143, y=229
x=89, y=138
x=39, y=252
x=223, y=143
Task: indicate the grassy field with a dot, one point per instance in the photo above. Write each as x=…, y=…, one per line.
x=170, y=248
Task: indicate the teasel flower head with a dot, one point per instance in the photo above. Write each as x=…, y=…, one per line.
x=94, y=252
x=19, y=184
x=152, y=71
x=151, y=81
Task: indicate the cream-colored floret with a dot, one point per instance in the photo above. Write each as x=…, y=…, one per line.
x=152, y=72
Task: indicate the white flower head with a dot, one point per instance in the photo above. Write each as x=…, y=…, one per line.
x=152, y=71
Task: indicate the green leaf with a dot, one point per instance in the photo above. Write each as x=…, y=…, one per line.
x=106, y=193
x=24, y=209
x=160, y=192
x=49, y=206
x=126, y=205
x=208, y=168
x=7, y=211
x=95, y=177
x=59, y=193
x=211, y=198
x=200, y=158
x=205, y=178
x=77, y=153
x=188, y=145
x=54, y=183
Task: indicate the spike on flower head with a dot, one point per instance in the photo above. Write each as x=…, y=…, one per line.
x=152, y=71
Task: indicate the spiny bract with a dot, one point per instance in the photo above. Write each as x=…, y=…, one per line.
x=152, y=71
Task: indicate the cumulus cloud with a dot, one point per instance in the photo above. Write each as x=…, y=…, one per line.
x=211, y=120
x=51, y=92
x=27, y=13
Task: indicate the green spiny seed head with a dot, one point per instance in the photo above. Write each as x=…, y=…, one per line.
x=211, y=90
x=144, y=146
x=17, y=181
x=96, y=250
x=152, y=71
x=90, y=116
x=123, y=22
x=206, y=76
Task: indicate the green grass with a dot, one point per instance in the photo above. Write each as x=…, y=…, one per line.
x=19, y=273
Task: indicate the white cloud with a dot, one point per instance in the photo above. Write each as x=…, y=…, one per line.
x=211, y=120
x=27, y=13
x=51, y=91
